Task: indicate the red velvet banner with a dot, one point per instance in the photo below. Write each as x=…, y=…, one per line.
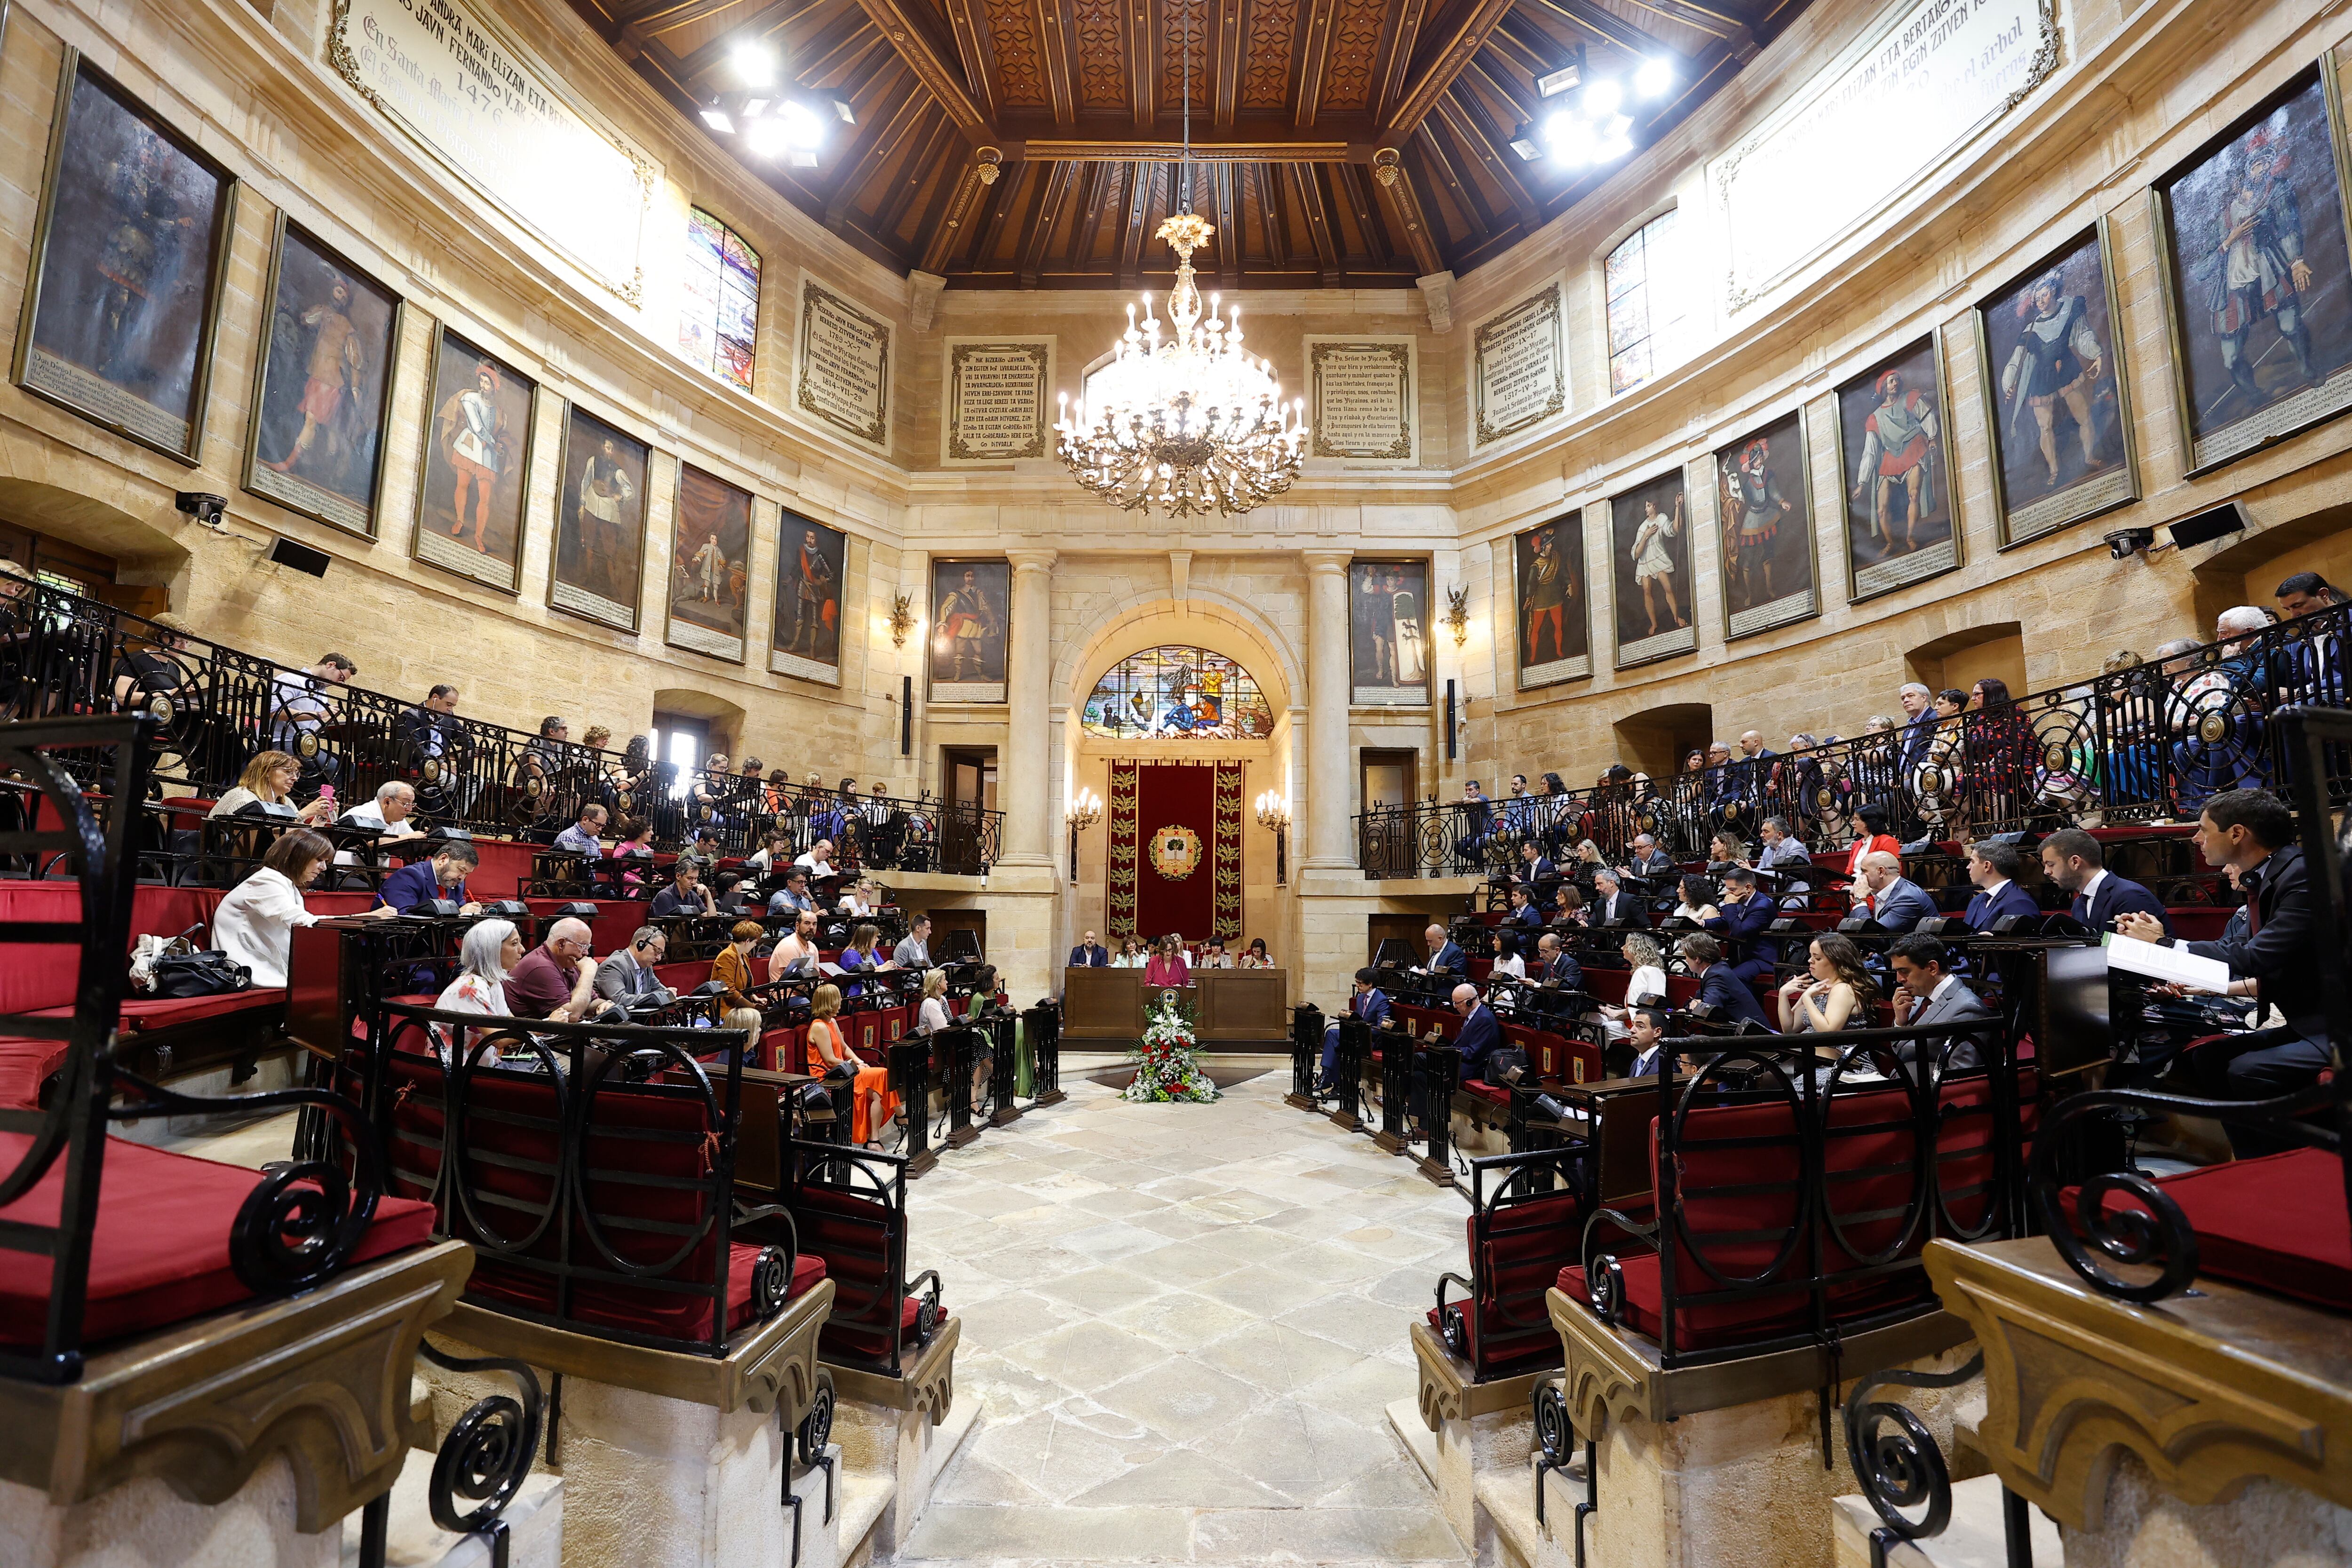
x=1175, y=849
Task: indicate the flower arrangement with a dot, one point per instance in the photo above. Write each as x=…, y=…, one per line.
x=1168, y=1059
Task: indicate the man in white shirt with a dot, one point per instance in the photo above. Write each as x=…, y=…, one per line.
x=387, y=816
x=818, y=861
x=585, y=837
x=298, y=705
x=914, y=950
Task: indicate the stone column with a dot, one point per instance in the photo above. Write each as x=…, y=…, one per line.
x=1021, y=782
x=1330, y=837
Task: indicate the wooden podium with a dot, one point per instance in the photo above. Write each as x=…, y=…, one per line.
x=1238, y=1009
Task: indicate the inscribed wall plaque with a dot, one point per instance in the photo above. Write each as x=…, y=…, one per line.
x=1518, y=371
x=1359, y=398
x=994, y=408
x=845, y=366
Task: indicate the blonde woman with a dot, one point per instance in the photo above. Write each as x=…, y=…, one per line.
x=933, y=1016
x=872, y=1103
x=1646, y=985
x=748, y=1019
x=269, y=778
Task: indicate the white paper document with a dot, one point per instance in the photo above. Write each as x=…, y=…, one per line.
x=2175, y=965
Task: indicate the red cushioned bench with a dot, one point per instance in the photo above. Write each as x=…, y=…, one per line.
x=2277, y=1223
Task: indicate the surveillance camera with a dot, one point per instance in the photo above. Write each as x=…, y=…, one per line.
x=206, y=509
x=2127, y=543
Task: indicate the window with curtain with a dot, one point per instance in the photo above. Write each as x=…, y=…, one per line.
x=720, y=317
x=1647, y=304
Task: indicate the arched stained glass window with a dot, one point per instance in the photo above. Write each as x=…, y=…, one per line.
x=1177, y=693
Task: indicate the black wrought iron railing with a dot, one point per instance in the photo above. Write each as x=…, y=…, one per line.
x=2140, y=744
x=218, y=707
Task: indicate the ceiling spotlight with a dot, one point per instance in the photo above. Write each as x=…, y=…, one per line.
x=768, y=138
x=754, y=64
x=1565, y=79
x=804, y=131
x=1571, y=140
x=754, y=107
x=717, y=118
x=1603, y=97
x=841, y=109
x=1616, y=128
x=1653, y=77
x=1526, y=147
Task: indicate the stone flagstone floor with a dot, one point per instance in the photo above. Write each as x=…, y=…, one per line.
x=1181, y=1323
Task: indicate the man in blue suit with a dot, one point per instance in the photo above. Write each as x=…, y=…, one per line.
x=2075, y=862
x=1994, y=868
x=1743, y=918
x=1555, y=965
x=1090, y=954
x=1481, y=1031
x=442, y=877
x=1371, y=1005
x=1524, y=914
x=1536, y=869
x=1918, y=703
x=1895, y=902
x=1718, y=988
x=1445, y=953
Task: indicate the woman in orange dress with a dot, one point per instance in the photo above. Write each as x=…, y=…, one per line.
x=871, y=1102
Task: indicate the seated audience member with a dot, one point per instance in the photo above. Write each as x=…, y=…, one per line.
x=1477, y=822
x=765, y=859
x=1646, y=983
x=914, y=949
x=1368, y=1003
x=584, y=838
x=1214, y=956
x=1256, y=956
x=1090, y=954
x=1534, y=871
x=1870, y=837
x=550, y=981
x=747, y=1018
x=1130, y=954
x=1505, y=943
x=796, y=957
x=859, y=901
x=626, y=979
x=794, y=896
x=254, y=923
x=1897, y=903
x=818, y=860
x=2253, y=832
x=141, y=675
x=1787, y=861
x=1994, y=868
x=1825, y=997
x=732, y=966
x=1925, y=993
x=2304, y=593
x=685, y=895
x=1481, y=1031
x=637, y=844
x=1567, y=905
x=1695, y=906
x=861, y=955
x=298, y=708
x=1166, y=965
x=1725, y=850
x=1645, y=1027
x=1730, y=998
x=267, y=780
x=933, y=1015
x=1612, y=905
x=1554, y=965
x=443, y=876
x=1524, y=913
x=829, y=1057
x=1444, y=955
x=433, y=727
x=387, y=815
x=1650, y=862
x=2075, y=860
x=705, y=852
x=489, y=951
x=1745, y=917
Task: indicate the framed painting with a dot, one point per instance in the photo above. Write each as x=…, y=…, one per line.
x=1554, y=610
x=2050, y=363
x=971, y=614
x=1389, y=627
x=130, y=249
x=710, y=564
x=480, y=417
x=597, y=555
x=1764, y=507
x=1649, y=538
x=322, y=387
x=1896, y=472
x=2257, y=274
x=811, y=564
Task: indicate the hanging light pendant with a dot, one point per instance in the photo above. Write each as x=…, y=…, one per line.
x=1186, y=422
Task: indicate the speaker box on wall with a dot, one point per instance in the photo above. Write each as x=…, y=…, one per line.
x=2212, y=523
x=301, y=557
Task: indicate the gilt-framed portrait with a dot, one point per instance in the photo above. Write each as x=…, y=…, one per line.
x=479, y=419
x=1388, y=625
x=597, y=551
x=1764, y=515
x=971, y=615
x=130, y=250
x=710, y=564
x=1554, y=609
x=323, y=383
x=2257, y=272
x=1895, y=467
x=1649, y=538
x=2049, y=364
x=811, y=563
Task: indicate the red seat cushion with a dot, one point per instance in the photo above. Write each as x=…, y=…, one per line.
x=1492, y=1093
x=168, y=1012
x=26, y=1064
x=2277, y=1223
x=160, y=1252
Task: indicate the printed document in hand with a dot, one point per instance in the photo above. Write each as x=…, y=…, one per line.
x=2176, y=966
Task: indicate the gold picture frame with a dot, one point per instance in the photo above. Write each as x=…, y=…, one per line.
x=444, y=335
x=1934, y=340
x=1803, y=508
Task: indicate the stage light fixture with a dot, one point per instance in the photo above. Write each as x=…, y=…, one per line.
x=754, y=64
x=1653, y=77
x=718, y=119
x=1602, y=98
x=1553, y=84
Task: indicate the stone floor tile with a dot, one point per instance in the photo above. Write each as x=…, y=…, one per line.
x=1103, y=1288
x=1182, y=1320
x=1069, y=1535
x=1278, y=1359
x=1187, y=1474
x=1182, y=1399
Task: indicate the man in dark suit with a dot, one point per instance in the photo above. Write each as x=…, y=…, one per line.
x=1612, y=905
x=1897, y=903
x=1646, y=1028
x=442, y=877
x=1743, y=918
x=1481, y=1031
x=1445, y=953
x=1925, y=994
x=1371, y=1005
x=1524, y=913
x=2073, y=860
x=1536, y=870
x=1919, y=703
x=1994, y=868
x=1649, y=860
x=1729, y=996
x=1090, y=954
x=1555, y=965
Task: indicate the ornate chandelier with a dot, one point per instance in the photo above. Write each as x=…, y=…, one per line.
x=1189, y=422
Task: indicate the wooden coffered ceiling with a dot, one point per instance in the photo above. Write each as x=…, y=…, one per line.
x=1033, y=143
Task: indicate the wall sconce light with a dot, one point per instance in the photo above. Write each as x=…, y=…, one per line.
x=1457, y=614
x=1083, y=813
x=1274, y=811
x=902, y=619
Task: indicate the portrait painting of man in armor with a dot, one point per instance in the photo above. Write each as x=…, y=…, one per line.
x=1764, y=513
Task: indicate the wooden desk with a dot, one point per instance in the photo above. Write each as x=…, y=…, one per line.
x=1236, y=1007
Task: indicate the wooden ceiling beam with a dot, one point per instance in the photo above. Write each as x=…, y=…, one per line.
x=1394, y=183
x=1141, y=180
x=972, y=53
x=1143, y=63
x=1314, y=50
x=901, y=23
x=1006, y=197
x=1349, y=180
x=1736, y=33
x=1094, y=191
x=1058, y=180
x=698, y=62
x=1612, y=29
x=946, y=233
x=1274, y=211
x=1453, y=58
x=1534, y=51
x=1170, y=149
x=887, y=124
x=1061, y=92
x=1500, y=84
x=838, y=47
x=1225, y=179
x=1477, y=136
x=1310, y=181
x=1226, y=47
x=660, y=16
x=935, y=141
x=1465, y=192
x=1401, y=42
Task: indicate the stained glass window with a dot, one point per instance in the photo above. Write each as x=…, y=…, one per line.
x=719, y=318
x=1647, y=305
x=1177, y=693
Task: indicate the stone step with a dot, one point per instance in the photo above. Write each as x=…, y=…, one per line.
x=1972, y=1540
x=534, y=1526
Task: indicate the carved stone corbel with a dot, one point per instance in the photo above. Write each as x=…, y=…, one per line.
x=927, y=1387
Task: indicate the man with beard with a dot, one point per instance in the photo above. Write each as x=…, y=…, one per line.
x=812, y=598
x=337, y=357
